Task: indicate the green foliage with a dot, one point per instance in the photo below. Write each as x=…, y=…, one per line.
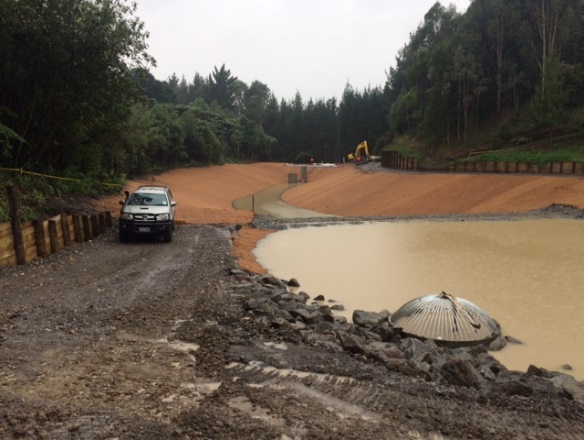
x=40, y=196
x=460, y=72
x=575, y=154
x=65, y=70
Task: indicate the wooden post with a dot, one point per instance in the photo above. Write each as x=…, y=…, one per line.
x=16, y=227
x=108, y=219
x=39, y=236
x=87, y=233
x=101, y=218
x=66, y=231
x=78, y=229
x=53, y=236
x=94, y=225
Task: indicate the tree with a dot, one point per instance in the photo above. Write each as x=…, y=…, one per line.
x=65, y=68
x=222, y=88
x=256, y=99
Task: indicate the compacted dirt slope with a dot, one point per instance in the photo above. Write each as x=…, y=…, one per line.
x=368, y=192
x=205, y=195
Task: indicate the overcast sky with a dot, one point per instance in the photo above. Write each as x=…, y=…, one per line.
x=311, y=46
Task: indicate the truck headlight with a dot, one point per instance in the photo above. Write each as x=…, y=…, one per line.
x=126, y=216
x=163, y=217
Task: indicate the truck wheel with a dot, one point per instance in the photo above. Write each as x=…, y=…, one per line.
x=124, y=237
x=168, y=235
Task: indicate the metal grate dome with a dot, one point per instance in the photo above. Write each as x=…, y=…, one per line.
x=445, y=318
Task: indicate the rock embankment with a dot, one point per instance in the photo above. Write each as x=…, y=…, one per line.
x=371, y=337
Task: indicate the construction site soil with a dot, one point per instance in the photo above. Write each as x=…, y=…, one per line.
x=152, y=340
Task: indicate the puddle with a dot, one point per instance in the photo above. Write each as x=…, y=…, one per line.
x=268, y=202
x=526, y=274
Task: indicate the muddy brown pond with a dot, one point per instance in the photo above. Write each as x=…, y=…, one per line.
x=526, y=274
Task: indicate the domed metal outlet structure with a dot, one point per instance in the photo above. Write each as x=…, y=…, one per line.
x=445, y=318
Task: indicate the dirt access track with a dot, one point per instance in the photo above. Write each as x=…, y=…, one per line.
x=153, y=340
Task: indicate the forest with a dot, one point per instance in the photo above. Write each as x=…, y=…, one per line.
x=77, y=97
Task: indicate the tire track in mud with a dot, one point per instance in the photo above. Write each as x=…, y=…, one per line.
x=383, y=408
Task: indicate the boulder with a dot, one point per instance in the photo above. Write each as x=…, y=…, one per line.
x=414, y=348
x=459, y=372
x=293, y=282
x=569, y=386
x=351, y=343
x=271, y=280
x=369, y=319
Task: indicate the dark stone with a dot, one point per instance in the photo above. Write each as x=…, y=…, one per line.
x=369, y=319
x=512, y=388
x=459, y=372
x=567, y=367
x=271, y=280
x=532, y=370
x=279, y=313
x=293, y=283
x=279, y=323
x=254, y=303
x=307, y=316
x=487, y=373
x=569, y=386
x=384, y=331
x=512, y=340
x=351, y=343
x=324, y=327
x=304, y=295
x=414, y=348
x=319, y=298
x=338, y=307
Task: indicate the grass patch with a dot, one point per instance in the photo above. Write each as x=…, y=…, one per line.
x=406, y=149
x=575, y=154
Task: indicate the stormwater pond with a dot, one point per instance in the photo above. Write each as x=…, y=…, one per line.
x=526, y=274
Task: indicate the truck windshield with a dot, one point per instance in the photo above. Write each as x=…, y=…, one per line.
x=151, y=199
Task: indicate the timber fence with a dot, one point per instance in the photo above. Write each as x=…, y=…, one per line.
x=41, y=238
x=395, y=160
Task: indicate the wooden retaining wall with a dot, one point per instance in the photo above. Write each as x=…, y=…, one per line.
x=45, y=237
x=397, y=161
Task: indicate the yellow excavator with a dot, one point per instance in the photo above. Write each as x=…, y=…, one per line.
x=361, y=154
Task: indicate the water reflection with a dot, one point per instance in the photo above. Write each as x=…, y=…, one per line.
x=525, y=274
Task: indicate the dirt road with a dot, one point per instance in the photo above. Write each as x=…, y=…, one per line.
x=151, y=340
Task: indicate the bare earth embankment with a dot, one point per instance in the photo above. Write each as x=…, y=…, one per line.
x=205, y=195
x=153, y=340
